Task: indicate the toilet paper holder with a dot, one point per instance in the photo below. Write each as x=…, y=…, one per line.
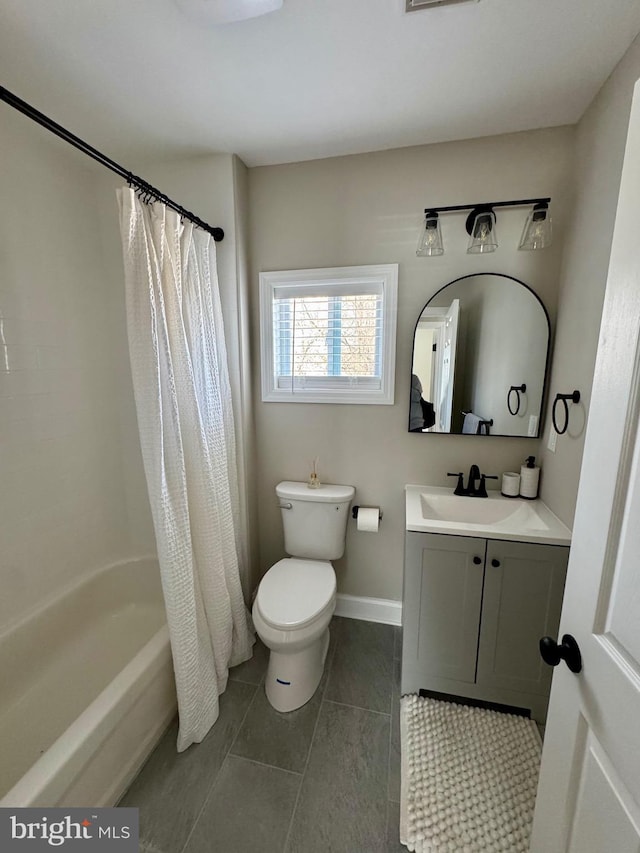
x=354, y=511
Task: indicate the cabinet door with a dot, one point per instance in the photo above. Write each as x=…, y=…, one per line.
x=442, y=599
x=521, y=603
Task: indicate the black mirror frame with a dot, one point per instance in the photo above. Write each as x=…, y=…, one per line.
x=547, y=365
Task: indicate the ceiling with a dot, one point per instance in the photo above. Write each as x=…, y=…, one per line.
x=318, y=78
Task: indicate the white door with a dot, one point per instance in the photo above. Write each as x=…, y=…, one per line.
x=444, y=322
x=424, y=356
x=448, y=344
x=589, y=793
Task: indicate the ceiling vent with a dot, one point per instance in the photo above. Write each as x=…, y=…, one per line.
x=415, y=5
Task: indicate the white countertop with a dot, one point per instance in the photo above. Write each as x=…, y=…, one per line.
x=435, y=509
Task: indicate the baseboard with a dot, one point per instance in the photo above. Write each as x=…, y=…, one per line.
x=384, y=610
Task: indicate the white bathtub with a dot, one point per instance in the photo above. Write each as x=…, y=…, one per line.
x=86, y=690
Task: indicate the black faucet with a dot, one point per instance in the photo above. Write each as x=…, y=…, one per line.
x=459, y=489
x=476, y=486
x=472, y=487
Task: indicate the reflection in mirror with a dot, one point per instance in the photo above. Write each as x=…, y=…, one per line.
x=477, y=342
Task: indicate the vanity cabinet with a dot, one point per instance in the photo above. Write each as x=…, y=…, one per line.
x=474, y=611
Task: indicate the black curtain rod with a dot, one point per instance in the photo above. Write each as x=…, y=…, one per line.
x=147, y=191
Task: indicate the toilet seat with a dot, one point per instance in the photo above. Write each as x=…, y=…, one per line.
x=295, y=592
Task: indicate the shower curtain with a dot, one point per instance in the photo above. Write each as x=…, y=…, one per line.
x=185, y=419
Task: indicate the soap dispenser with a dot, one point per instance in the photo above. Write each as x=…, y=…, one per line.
x=529, y=479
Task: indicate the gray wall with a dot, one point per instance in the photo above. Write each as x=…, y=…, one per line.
x=62, y=501
x=600, y=143
x=367, y=209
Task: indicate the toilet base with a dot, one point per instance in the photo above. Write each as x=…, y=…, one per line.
x=293, y=678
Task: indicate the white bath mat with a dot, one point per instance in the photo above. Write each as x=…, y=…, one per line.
x=469, y=778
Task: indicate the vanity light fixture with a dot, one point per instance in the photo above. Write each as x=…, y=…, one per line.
x=481, y=227
x=430, y=242
x=537, y=229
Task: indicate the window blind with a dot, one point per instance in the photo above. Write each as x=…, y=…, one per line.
x=328, y=335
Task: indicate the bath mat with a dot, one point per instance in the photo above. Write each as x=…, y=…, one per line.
x=469, y=778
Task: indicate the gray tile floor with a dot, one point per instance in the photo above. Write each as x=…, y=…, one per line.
x=323, y=778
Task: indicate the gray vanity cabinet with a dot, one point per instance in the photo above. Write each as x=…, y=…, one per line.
x=442, y=599
x=521, y=602
x=474, y=611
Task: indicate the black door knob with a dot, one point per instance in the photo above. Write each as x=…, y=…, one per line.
x=568, y=651
x=495, y=563
x=477, y=560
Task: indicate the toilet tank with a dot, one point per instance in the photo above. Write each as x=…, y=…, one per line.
x=314, y=520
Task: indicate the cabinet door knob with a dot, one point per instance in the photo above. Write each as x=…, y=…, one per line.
x=477, y=560
x=495, y=563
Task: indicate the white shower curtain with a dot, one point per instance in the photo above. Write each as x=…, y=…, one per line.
x=185, y=419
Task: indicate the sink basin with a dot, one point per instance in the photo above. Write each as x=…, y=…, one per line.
x=466, y=510
x=433, y=509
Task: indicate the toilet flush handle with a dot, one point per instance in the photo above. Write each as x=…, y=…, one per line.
x=285, y=506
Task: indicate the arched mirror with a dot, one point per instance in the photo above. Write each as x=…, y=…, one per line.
x=480, y=351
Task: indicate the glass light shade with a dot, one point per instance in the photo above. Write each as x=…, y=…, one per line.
x=536, y=233
x=430, y=242
x=484, y=238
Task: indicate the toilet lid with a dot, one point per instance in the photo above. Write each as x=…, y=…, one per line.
x=293, y=592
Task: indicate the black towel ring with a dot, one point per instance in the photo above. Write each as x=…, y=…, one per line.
x=562, y=398
x=518, y=389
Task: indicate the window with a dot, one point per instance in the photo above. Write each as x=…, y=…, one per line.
x=328, y=335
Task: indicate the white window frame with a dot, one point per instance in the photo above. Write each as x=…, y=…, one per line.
x=331, y=389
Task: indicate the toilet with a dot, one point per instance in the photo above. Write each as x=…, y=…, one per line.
x=297, y=596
